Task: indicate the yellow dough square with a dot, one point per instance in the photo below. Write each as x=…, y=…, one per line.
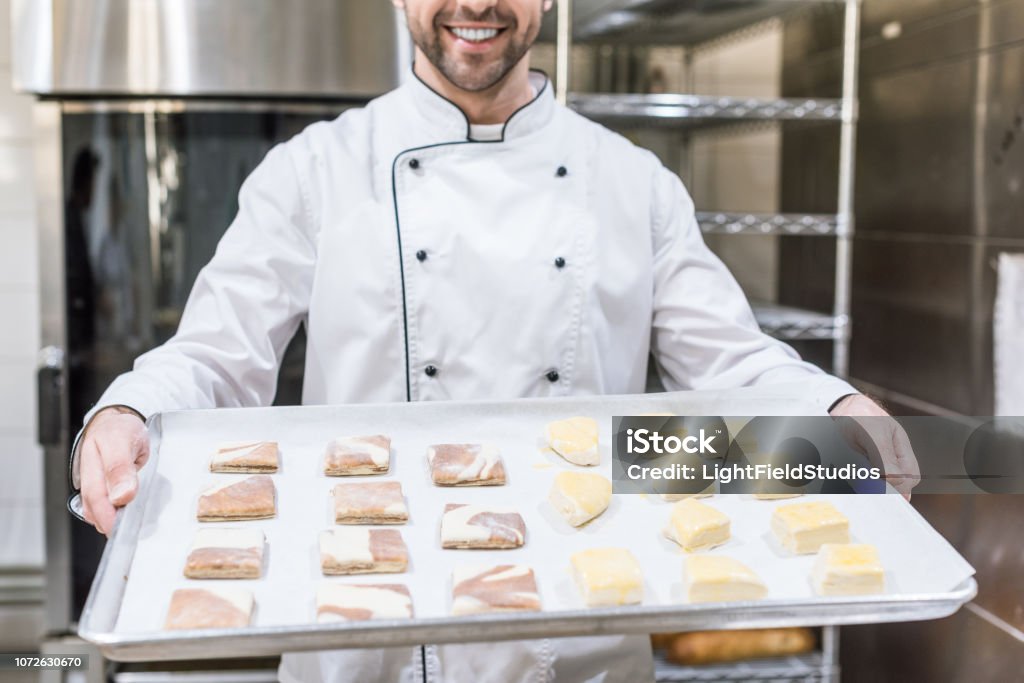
x=802, y=528
x=696, y=526
x=580, y=496
x=715, y=578
x=575, y=439
x=848, y=569
x=608, y=576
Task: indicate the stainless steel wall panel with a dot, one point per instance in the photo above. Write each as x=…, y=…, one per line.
x=1002, y=142
x=315, y=48
x=950, y=36
x=877, y=13
x=914, y=172
x=912, y=330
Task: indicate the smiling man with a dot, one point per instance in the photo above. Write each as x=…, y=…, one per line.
x=463, y=237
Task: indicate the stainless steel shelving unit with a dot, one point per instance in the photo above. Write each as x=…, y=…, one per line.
x=695, y=24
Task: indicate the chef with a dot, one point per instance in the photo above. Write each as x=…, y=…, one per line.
x=462, y=237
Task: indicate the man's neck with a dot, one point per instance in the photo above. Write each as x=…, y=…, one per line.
x=493, y=105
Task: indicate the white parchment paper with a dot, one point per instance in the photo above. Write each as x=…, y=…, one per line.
x=917, y=559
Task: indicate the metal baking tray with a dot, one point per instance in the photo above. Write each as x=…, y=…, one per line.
x=141, y=564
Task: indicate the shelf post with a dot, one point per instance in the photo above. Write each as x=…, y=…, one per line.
x=845, y=218
x=563, y=50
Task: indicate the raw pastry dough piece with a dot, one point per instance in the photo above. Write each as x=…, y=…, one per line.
x=502, y=588
x=804, y=527
x=481, y=526
x=848, y=569
x=776, y=496
x=716, y=578
x=248, y=456
x=250, y=498
x=696, y=526
x=372, y=502
x=357, y=455
x=209, y=608
x=355, y=550
x=608, y=576
x=575, y=439
x=465, y=464
x=226, y=554
x=337, y=602
x=580, y=496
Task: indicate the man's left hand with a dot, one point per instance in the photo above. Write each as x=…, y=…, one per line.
x=873, y=432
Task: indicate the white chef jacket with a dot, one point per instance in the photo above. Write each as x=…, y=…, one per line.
x=427, y=266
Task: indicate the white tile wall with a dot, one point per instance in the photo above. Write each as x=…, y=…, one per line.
x=21, y=491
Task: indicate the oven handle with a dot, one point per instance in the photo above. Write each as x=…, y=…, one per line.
x=50, y=392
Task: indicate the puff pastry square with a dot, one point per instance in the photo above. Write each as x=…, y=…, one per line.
x=354, y=550
x=716, y=578
x=226, y=554
x=580, y=496
x=848, y=569
x=501, y=588
x=250, y=498
x=575, y=439
x=803, y=528
x=466, y=465
x=481, y=526
x=351, y=455
x=209, y=608
x=608, y=576
x=248, y=456
x=696, y=526
x=337, y=602
x=372, y=502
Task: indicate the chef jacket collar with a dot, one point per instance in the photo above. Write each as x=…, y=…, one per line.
x=446, y=122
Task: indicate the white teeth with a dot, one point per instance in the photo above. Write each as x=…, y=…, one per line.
x=475, y=35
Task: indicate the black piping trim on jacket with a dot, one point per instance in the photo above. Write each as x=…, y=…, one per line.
x=394, y=201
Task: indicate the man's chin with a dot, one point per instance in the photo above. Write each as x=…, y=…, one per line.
x=474, y=78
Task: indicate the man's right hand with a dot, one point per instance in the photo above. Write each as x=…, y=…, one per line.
x=114, y=446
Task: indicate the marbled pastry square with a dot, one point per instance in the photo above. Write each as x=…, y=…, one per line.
x=339, y=602
x=251, y=498
x=372, y=502
x=358, y=550
x=466, y=464
x=350, y=455
x=246, y=457
x=481, y=526
x=218, y=607
x=226, y=554
x=501, y=588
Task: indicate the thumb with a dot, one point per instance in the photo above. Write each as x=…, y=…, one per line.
x=122, y=482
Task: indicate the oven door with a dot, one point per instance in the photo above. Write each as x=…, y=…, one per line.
x=136, y=196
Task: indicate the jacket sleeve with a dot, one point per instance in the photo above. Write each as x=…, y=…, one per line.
x=704, y=335
x=244, y=308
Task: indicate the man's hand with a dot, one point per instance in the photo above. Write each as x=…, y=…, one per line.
x=114, y=446
x=873, y=432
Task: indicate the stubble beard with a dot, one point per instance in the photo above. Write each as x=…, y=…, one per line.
x=472, y=73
